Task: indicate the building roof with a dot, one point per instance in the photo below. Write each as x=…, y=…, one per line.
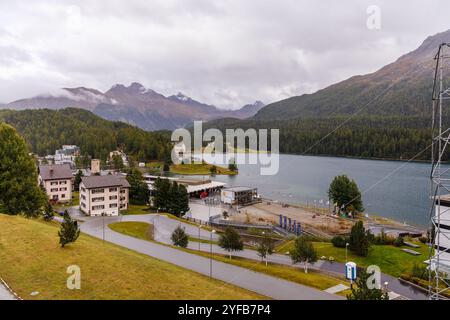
x=105, y=181
x=55, y=172
x=240, y=189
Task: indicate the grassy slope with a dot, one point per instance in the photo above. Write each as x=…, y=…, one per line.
x=312, y=279
x=392, y=260
x=31, y=260
x=198, y=169
x=133, y=229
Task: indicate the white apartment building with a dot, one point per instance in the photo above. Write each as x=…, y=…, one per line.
x=107, y=195
x=57, y=182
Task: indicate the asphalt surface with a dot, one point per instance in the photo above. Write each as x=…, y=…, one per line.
x=5, y=294
x=164, y=227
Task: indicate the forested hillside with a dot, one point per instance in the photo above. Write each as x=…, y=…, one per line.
x=393, y=137
x=46, y=130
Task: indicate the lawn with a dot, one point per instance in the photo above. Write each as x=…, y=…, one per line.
x=312, y=278
x=391, y=260
x=31, y=260
x=199, y=169
x=141, y=230
x=136, y=209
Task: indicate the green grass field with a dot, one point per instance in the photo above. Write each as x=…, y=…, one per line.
x=141, y=230
x=312, y=278
x=136, y=209
x=199, y=169
x=31, y=260
x=391, y=260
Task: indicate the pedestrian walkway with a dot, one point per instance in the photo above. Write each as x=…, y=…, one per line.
x=5, y=294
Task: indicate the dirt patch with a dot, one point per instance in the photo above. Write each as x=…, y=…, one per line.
x=264, y=213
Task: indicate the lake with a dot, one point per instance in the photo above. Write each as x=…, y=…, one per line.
x=393, y=189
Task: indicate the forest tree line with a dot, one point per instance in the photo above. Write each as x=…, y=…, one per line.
x=47, y=130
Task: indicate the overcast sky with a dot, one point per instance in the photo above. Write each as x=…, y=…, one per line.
x=227, y=53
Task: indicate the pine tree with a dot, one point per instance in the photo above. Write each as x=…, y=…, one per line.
x=360, y=291
x=183, y=200
x=69, y=231
x=139, y=192
x=303, y=251
x=359, y=241
x=19, y=190
x=180, y=238
x=231, y=241
x=49, y=213
x=77, y=180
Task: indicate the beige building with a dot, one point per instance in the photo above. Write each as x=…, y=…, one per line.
x=95, y=166
x=107, y=195
x=57, y=181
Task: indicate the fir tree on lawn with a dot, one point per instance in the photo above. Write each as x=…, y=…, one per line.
x=69, y=231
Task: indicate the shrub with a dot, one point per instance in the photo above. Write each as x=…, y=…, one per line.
x=399, y=241
x=423, y=239
x=339, y=241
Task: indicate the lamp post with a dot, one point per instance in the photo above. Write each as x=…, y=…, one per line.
x=265, y=253
x=346, y=246
x=103, y=218
x=199, y=227
x=211, y=254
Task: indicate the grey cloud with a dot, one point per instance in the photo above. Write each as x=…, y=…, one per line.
x=226, y=53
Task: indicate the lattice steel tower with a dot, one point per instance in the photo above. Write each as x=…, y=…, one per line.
x=439, y=259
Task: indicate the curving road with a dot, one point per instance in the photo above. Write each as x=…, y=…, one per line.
x=260, y=283
x=164, y=227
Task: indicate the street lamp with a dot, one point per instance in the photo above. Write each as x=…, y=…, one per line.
x=199, y=227
x=103, y=218
x=211, y=254
x=346, y=246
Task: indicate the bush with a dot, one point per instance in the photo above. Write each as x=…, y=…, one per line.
x=399, y=242
x=423, y=239
x=339, y=241
x=383, y=239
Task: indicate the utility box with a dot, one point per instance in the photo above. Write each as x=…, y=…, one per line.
x=350, y=271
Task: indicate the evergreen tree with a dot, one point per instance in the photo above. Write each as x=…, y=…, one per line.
x=360, y=291
x=265, y=247
x=303, y=251
x=69, y=231
x=77, y=180
x=49, y=213
x=161, y=189
x=139, y=192
x=213, y=170
x=183, y=200
x=345, y=194
x=117, y=162
x=359, y=241
x=180, y=238
x=230, y=240
x=19, y=190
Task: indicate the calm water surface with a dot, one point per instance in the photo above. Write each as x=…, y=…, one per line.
x=403, y=195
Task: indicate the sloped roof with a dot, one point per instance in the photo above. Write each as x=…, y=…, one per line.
x=55, y=172
x=105, y=181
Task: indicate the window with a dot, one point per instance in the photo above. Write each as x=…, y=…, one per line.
x=112, y=197
x=63, y=195
x=112, y=189
x=83, y=205
x=62, y=189
x=63, y=182
x=122, y=191
x=98, y=199
x=98, y=207
x=54, y=190
x=83, y=190
x=83, y=197
x=122, y=198
x=98, y=190
x=53, y=183
x=113, y=205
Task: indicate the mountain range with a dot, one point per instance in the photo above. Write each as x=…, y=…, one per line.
x=403, y=87
x=136, y=105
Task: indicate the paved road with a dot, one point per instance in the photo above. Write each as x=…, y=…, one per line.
x=164, y=227
x=263, y=284
x=5, y=294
